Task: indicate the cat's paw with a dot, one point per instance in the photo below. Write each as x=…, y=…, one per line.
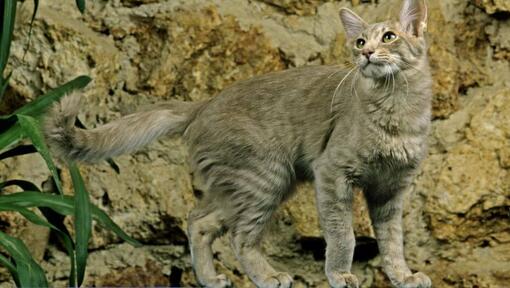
x=278, y=280
x=343, y=280
x=220, y=281
x=416, y=280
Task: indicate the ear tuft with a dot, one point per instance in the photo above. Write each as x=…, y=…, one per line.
x=353, y=24
x=413, y=17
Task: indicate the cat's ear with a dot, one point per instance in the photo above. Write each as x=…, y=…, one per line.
x=353, y=24
x=413, y=17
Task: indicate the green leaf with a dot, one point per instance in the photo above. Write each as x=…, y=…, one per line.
x=81, y=5
x=29, y=215
x=29, y=272
x=36, y=6
x=82, y=221
x=64, y=205
x=11, y=136
x=8, y=10
x=54, y=219
x=37, y=107
x=65, y=239
x=12, y=269
x=7, y=264
x=63, y=236
x=31, y=129
x=106, y=222
x=61, y=204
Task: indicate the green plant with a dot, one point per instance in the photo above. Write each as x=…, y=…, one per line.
x=24, y=124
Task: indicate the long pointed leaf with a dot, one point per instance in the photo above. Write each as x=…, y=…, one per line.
x=37, y=107
x=7, y=264
x=82, y=221
x=29, y=215
x=52, y=217
x=61, y=204
x=8, y=19
x=29, y=272
x=64, y=205
x=11, y=137
x=65, y=238
x=81, y=5
x=36, y=6
x=30, y=128
x=12, y=269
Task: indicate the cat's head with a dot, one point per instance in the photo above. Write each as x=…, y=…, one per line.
x=389, y=47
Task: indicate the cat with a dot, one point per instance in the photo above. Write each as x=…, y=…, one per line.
x=363, y=127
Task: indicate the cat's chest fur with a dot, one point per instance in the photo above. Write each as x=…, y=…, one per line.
x=387, y=161
x=396, y=128
x=394, y=133
x=400, y=148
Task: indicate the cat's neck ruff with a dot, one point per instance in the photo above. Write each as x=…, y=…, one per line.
x=398, y=103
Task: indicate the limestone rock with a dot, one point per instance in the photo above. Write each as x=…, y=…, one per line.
x=140, y=52
x=470, y=184
x=493, y=6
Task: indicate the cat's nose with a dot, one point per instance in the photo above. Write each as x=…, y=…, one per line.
x=367, y=53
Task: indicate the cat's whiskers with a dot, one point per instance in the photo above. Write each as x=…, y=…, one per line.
x=386, y=78
x=339, y=70
x=339, y=85
x=407, y=84
x=353, y=87
x=408, y=65
x=393, y=80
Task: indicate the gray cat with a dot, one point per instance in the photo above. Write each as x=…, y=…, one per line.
x=364, y=127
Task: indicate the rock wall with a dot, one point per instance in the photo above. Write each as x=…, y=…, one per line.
x=457, y=220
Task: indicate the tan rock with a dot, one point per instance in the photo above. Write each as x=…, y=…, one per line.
x=138, y=52
x=470, y=185
x=493, y=6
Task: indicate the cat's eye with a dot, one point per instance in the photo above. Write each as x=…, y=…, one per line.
x=389, y=37
x=360, y=43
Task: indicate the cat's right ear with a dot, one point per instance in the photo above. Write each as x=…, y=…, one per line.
x=353, y=24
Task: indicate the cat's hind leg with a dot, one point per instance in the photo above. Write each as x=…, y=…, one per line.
x=204, y=226
x=245, y=175
x=258, y=195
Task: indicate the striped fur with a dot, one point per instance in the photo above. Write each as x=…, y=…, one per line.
x=365, y=127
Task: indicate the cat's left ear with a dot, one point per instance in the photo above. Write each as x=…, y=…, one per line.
x=413, y=17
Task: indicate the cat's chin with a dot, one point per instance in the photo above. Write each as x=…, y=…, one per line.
x=379, y=71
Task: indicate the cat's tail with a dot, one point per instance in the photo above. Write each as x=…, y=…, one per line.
x=123, y=135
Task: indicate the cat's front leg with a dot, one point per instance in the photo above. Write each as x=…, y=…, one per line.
x=387, y=221
x=334, y=202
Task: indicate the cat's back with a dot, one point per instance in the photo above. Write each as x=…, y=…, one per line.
x=289, y=110
x=288, y=91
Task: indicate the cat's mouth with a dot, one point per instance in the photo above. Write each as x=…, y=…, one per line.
x=375, y=62
x=377, y=69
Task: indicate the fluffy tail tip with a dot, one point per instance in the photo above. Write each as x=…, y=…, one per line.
x=58, y=125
